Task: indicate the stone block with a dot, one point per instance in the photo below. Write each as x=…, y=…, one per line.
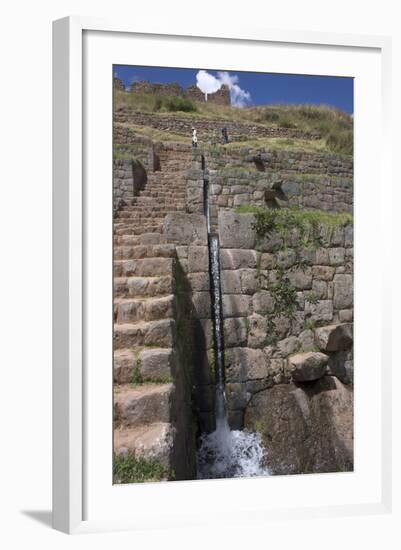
x=198, y=259
x=244, y=364
x=349, y=236
x=321, y=311
x=182, y=228
x=337, y=237
x=286, y=258
x=239, y=200
x=288, y=346
x=323, y=273
x=307, y=340
x=238, y=258
x=343, y=291
x=156, y=364
x=237, y=396
x=236, y=230
x=305, y=367
x=199, y=281
x=319, y=289
x=236, y=305
x=262, y=302
x=230, y=282
x=301, y=279
x=145, y=404
x=194, y=199
x=249, y=281
x=235, y=332
x=322, y=256
x=201, y=305
x=336, y=256
x=257, y=331
x=346, y=315
x=334, y=337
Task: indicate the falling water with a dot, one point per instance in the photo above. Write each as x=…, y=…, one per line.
x=224, y=452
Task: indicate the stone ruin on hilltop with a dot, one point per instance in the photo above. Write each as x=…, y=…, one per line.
x=221, y=97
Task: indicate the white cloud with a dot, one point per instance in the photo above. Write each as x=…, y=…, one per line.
x=209, y=84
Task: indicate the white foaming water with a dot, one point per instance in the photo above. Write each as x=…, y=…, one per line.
x=228, y=453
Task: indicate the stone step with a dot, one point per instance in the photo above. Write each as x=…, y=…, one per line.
x=152, y=333
x=137, y=229
x=133, y=310
x=142, y=404
x=151, y=442
x=146, y=267
x=136, y=212
x=142, y=218
x=126, y=240
x=147, y=364
x=122, y=252
x=125, y=287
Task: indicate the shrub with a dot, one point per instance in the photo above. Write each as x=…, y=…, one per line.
x=180, y=104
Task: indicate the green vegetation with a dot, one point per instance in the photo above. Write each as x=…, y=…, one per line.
x=283, y=144
x=285, y=301
x=312, y=226
x=154, y=103
x=137, y=377
x=130, y=469
x=334, y=127
x=156, y=135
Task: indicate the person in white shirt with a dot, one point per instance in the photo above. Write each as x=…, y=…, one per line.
x=194, y=138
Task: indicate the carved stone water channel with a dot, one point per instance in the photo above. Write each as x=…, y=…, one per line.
x=224, y=453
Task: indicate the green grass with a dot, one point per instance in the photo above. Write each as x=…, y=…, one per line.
x=333, y=125
x=308, y=223
x=154, y=103
x=283, y=144
x=130, y=469
x=157, y=135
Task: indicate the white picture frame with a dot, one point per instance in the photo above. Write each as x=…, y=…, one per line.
x=70, y=259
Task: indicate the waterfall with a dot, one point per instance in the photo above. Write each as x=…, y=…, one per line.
x=224, y=453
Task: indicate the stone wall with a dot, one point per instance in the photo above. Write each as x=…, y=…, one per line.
x=188, y=232
x=305, y=376
x=283, y=178
x=207, y=129
x=324, y=295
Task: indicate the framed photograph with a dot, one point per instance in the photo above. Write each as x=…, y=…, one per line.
x=219, y=268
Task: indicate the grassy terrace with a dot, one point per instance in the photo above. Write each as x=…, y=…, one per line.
x=307, y=223
x=335, y=126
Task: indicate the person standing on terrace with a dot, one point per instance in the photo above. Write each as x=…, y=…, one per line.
x=194, y=138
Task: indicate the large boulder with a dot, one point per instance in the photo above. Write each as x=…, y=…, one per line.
x=305, y=367
x=334, y=337
x=304, y=430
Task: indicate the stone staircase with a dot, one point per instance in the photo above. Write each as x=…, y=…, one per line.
x=147, y=387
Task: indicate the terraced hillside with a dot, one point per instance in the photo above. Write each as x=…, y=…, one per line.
x=287, y=171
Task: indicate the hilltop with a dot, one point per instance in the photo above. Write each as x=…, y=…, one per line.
x=160, y=116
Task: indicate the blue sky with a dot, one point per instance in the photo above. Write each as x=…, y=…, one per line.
x=264, y=88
